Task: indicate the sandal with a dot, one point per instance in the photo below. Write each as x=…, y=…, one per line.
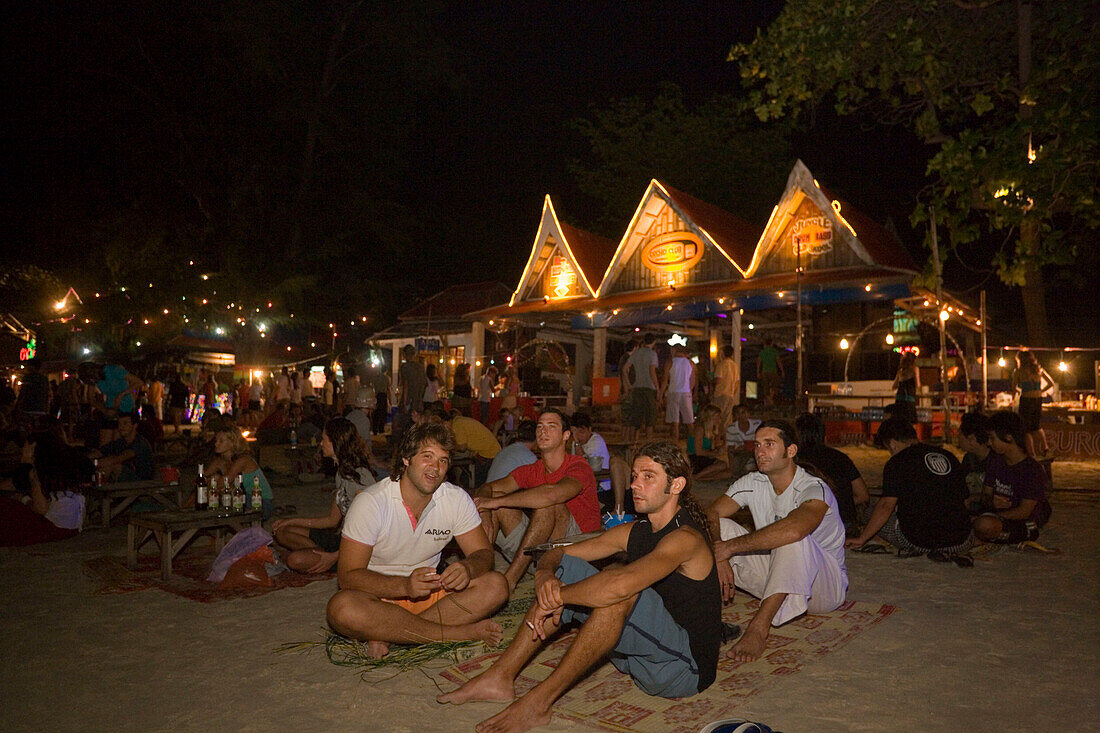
x=905, y=554
x=873, y=549
x=963, y=561
x=938, y=556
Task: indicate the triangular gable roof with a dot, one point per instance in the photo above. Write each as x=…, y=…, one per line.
x=729, y=236
x=586, y=253
x=867, y=241
x=456, y=301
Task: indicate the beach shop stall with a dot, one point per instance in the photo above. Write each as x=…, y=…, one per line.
x=817, y=272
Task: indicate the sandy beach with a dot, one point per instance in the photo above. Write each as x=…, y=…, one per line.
x=1012, y=644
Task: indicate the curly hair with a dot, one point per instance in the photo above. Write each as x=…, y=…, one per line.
x=416, y=436
x=348, y=447
x=676, y=465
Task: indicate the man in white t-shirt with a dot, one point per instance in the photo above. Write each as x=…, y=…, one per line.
x=610, y=491
x=794, y=561
x=393, y=536
x=677, y=389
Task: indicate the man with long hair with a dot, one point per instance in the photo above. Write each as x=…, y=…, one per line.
x=394, y=534
x=794, y=560
x=658, y=616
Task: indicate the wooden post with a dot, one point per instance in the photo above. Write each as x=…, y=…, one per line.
x=735, y=339
x=599, y=352
x=985, y=357
x=938, y=267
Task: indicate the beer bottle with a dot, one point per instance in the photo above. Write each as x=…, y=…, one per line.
x=257, y=494
x=238, y=496
x=227, y=496
x=201, y=502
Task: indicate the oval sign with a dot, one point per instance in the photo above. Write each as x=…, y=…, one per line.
x=672, y=252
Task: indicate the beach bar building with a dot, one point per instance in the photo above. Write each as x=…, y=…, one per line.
x=818, y=274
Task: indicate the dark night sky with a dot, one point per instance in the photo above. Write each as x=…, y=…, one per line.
x=482, y=158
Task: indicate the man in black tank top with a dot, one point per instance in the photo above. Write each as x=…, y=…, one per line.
x=658, y=617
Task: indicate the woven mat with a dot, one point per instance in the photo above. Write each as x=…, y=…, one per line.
x=109, y=575
x=608, y=700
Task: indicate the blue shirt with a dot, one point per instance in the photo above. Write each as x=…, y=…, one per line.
x=510, y=458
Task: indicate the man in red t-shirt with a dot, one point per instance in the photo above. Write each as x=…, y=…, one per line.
x=553, y=497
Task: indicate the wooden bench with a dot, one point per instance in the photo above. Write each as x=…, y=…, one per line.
x=187, y=522
x=115, y=498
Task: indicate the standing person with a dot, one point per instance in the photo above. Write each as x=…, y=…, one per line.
x=626, y=400
x=769, y=372
x=485, y=393
x=329, y=392
x=432, y=387
x=351, y=388
x=233, y=458
x=727, y=379
x=659, y=617
x=295, y=387
x=282, y=388
x=923, y=504
x=241, y=408
x=906, y=386
x=119, y=389
x=844, y=478
x=179, y=395
x=643, y=387
x=552, y=498
x=794, y=560
x=255, y=401
x=1018, y=485
x=677, y=390
x=380, y=381
x=209, y=392
x=69, y=394
x=411, y=381
x=510, y=388
x=1027, y=380
x=156, y=396
x=393, y=537
x=315, y=541
x=463, y=392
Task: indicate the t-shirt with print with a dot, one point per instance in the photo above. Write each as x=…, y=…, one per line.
x=929, y=485
x=1023, y=480
x=736, y=437
x=347, y=489
x=584, y=507
x=378, y=517
x=755, y=491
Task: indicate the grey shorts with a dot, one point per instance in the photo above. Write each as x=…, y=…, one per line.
x=509, y=544
x=653, y=649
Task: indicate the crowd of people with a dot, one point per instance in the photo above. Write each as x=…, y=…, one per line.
x=613, y=535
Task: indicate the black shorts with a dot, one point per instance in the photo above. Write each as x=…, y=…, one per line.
x=1031, y=413
x=327, y=539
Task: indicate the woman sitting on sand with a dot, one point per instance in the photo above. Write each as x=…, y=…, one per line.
x=315, y=541
x=706, y=445
x=234, y=458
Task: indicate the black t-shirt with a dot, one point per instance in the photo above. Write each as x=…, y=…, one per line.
x=929, y=485
x=178, y=395
x=840, y=471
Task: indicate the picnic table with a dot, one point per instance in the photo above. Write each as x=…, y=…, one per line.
x=187, y=522
x=115, y=498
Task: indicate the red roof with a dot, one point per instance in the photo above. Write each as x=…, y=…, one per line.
x=884, y=247
x=592, y=252
x=732, y=233
x=457, y=300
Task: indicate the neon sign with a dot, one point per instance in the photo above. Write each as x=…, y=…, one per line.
x=672, y=252
x=562, y=277
x=27, y=352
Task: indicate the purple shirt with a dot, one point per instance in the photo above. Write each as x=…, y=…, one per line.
x=1024, y=480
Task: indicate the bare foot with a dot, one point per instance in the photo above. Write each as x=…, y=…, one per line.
x=378, y=649
x=521, y=715
x=750, y=646
x=487, y=686
x=488, y=631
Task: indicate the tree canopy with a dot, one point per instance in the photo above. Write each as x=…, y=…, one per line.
x=1006, y=94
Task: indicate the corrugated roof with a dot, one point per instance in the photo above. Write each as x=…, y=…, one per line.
x=457, y=300
x=732, y=233
x=592, y=252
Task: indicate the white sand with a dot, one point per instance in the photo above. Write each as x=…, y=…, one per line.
x=1009, y=645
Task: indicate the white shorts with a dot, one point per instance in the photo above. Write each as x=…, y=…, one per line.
x=678, y=408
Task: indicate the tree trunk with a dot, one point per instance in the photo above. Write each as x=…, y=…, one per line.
x=1032, y=291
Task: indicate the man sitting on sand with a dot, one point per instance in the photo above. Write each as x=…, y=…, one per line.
x=923, y=504
x=393, y=536
x=658, y=617
x=558, y=492
x=974, y=439
x=1018, y=484
x=794, y=561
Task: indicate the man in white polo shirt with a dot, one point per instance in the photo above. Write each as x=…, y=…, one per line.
x=393, y=536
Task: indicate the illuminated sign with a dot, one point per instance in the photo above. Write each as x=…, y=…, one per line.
x=562, y=277
x=812, y=235
x=676, y=338
x=27, y=352
x=672, y=252
x=429, y=345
